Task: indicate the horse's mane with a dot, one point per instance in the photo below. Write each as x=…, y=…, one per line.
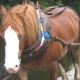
x=22, y=18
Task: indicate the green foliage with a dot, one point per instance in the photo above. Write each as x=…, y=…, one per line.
x=59, y=3
x=43, y=4
x=46, y=3
x=75, y=6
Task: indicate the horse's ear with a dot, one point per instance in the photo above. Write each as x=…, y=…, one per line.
x=25, y=9
x=26, y=6
x=3, y=10
x=24, y=3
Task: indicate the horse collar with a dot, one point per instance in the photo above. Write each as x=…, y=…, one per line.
x=43, y=41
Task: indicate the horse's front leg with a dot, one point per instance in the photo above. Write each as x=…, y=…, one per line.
x=62, y=69
x=53, y=70
x=23, y=74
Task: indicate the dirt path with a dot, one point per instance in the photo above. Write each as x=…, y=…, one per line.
x=70, y=75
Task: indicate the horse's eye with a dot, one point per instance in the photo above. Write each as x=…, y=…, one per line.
x=20, y=36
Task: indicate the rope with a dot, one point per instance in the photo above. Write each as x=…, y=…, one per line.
x=6, y=78
x=70, y=44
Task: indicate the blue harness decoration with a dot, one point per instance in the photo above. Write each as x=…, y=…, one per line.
x=43, y=41
x=43, y=34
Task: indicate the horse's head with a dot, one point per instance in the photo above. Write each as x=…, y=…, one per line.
x=11, y=40
x=16, y=25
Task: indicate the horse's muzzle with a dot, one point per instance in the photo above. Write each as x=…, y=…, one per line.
x=12, y=70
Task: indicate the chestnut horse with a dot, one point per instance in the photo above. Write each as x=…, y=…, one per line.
x=19, y=30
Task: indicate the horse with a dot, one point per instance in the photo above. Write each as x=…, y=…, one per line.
x=23, y=36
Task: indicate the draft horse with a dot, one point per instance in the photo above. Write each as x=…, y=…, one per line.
x=24, y=36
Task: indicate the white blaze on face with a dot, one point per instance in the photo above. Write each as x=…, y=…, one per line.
x=11, y=50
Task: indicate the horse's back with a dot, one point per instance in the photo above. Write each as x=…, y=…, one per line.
x=65, y=25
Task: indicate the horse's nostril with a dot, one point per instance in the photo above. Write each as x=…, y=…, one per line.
x=16, y=66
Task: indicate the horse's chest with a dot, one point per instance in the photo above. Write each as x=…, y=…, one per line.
x=56, y=50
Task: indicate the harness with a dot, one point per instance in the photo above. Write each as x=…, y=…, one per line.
x=44, y=35
x=43, y=40
x=55, y=13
